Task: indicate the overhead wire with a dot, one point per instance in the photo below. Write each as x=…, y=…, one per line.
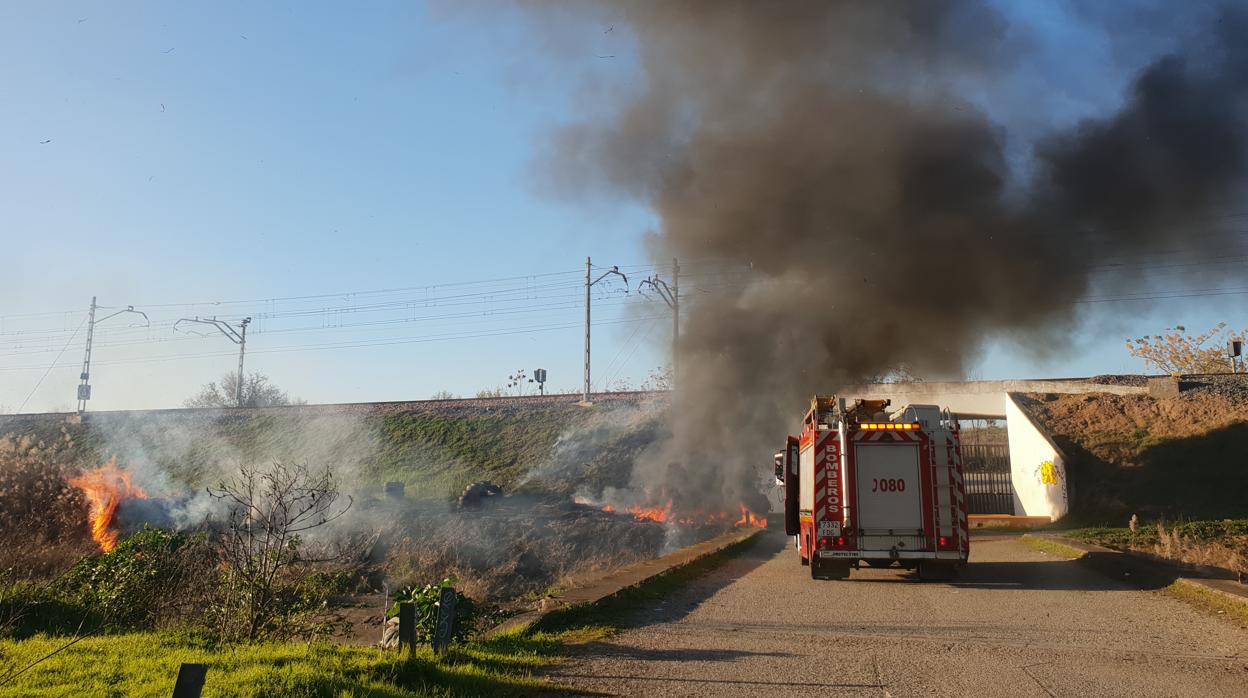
x=50, y=367
x=351, y=345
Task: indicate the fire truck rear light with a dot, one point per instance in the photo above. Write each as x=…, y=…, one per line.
x=943, y=542
x=823, y=542
x=840, y=540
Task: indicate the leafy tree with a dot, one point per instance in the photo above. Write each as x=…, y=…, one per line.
x=257, y=392
x=443, y=395
x=1180, y=352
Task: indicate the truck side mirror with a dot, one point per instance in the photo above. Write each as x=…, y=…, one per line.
x=780, y=467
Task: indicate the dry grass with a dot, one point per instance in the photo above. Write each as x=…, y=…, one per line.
x=1222, y=544
x=43, y=520
x=1229, y=552
x=515, y=549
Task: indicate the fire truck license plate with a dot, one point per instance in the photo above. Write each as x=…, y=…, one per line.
x=829, y=528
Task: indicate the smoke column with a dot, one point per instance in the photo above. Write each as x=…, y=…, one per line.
x=833, y=150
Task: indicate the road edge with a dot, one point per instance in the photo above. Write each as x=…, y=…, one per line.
x=612, y=585
x=1147, y=570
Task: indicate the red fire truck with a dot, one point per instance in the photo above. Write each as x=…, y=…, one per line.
x=864, y=485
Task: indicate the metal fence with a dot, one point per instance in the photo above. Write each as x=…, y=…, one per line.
x=986, y=472
x=989, y=492
x=986, y=458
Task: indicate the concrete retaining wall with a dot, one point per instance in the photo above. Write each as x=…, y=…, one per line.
x=1037, y=465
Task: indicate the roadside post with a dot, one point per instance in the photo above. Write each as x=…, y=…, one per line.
x=445, y=629
x=190, y=681
x=407, y=626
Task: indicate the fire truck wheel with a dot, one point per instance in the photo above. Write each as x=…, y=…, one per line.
x=828, y=569
x=805, y=562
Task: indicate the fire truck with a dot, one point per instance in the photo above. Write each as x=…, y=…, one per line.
x=862, y=485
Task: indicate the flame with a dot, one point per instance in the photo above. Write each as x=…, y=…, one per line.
x=663, y=514
x=657, y=514
x=105, y=488
x=749, y=518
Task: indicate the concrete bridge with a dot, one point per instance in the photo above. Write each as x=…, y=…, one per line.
x=1038, y=474
x=977, y=399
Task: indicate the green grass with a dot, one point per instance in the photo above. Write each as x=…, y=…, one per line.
x=1051, y=547
x=146, y=664
x=1122, y=538
x=1209, y=600
x=436, y=453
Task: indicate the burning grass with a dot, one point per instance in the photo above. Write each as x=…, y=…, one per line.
x=515, y=548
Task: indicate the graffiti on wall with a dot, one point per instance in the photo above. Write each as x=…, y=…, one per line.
x=1048, y=474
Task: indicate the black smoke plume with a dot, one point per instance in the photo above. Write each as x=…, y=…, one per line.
x=835, y=151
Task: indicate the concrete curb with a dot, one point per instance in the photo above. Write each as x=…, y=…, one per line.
x=605, y=587
x=979, y=521
x=1127, y=562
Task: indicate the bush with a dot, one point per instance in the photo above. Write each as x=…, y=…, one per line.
x=153, y=577
x=427, y=600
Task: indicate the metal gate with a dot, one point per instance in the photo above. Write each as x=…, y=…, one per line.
x=986, y=472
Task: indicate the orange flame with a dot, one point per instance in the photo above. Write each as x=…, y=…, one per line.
x=749, y=518
x=105, y=488
x=664, y=514
x=658, y=514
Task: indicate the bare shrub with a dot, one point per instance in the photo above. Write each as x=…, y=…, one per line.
x=262, y=546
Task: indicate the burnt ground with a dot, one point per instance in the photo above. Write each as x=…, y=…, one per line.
x=507, y=553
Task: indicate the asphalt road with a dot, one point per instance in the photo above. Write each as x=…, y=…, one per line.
x=1017, y=623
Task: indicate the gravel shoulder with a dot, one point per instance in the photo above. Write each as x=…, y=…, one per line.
x=1018, y=623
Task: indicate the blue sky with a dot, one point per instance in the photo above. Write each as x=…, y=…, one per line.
x=244, y=151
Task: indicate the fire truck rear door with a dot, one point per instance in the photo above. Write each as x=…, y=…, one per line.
x=890, y=505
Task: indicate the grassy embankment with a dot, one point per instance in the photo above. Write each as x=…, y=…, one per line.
x=146, y=664
x=435, y=452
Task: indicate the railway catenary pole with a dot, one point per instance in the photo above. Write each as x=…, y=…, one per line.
x=670, y=293
x=589, y=284
x=242, y=351
x=238, y=336
x=84, y=385
x=675, y=320
x=588, y=270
